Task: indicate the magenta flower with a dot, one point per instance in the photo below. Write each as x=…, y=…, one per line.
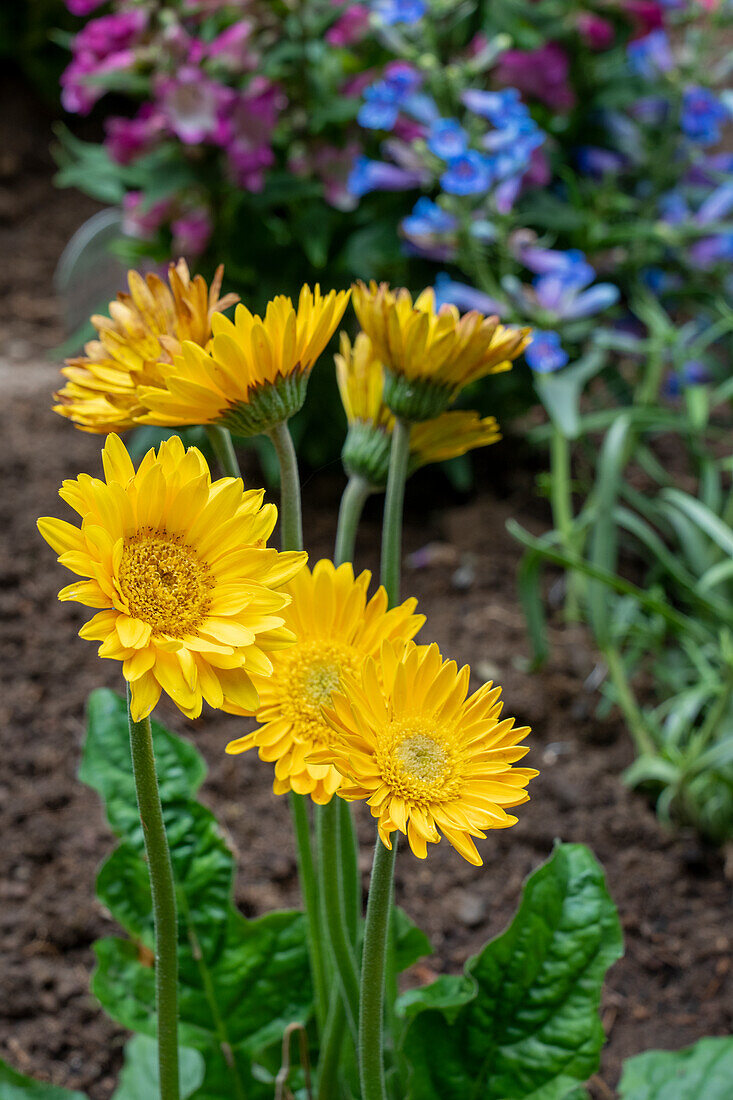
x=103, y=36
x=191, y=232
x=246, y=132
x=193, y=104
x=596, y=32
x=541, y=74
x=333, y=167
x=140, y=220
x=232, y=47
x=129, y=138
x=78, y=96
x=83, y=7
x=350, y=27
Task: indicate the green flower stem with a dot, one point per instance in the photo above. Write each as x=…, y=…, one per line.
x=291, y=523
x=561, y=500
x=392, y=526
x=352, y=504
x=349, y=864
x=329, y=1059
x=309, y=889
x=371, y=1003
x=164, y=902
x=222, y=446
x=331, y=876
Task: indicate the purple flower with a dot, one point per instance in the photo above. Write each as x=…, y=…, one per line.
x=709, y=251
x=350, y=27
x=83, y=7
x=651, y=55
x=447, y=138
x=430, y=230
x=129, y=138
x=702, y=115
x=545, y=353
x=598, y=33
x=500, y=108
x=78, y=96
x=597, y=163
x=245, y=130
x=399, y=11
x=542, y=74
x=193, y=104
x=232, y=47
x=673, y=208
x=464, y=297
x=544, y=261
x=191, y=232
x=717, y=205
x=692, y=373
x=140, y=219
x=468, y=174
x=376, y=175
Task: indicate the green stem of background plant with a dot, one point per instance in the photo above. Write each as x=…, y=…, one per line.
x=222, y=446
x=371, y=1003
x=330, y=872
x=399, y=458
x=629, y=707
x=329, y=1057
x=291, y=523
x=561, y=500
x=352, y=505
x=164, y=902
x=309, y=890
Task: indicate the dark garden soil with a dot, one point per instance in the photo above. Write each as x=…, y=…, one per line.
x=674, y=984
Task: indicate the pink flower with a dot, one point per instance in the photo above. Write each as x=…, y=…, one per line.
x=246, y=132
x=191, y=232
x=193, y=105
x=355, y=85
x=141, y=221
x=333, y=167
x=597, y=32
x=350, y=27
x=103, y=36
x=128, y=138
x=541, y=74
x=647, y=15
x=83, y=7
x=231, y=47
x=248, y=165
x=78, y=96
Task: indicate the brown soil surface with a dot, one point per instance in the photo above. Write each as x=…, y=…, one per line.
x=674, y=984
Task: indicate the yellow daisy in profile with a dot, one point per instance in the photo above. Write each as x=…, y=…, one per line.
x=360, y=377
x=189, y=595
x=428, y=759
x=429, y=355
x=145, y=328
x=336, y=628
x=255, y=371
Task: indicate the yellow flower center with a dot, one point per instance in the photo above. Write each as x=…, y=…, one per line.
x=165, y=584
x=418, y=762
x=311, y=673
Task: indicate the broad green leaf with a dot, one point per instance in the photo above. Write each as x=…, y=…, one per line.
x=14, y=1086
x=700, y=1072
x=140, y=1076
x=411, y=943
x=532, y=1030
x=241, y=982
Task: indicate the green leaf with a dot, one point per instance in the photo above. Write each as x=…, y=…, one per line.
x=411, y=943
x=241, y=982
x=532, y=1030
x=14, y=1086
x=140, y=1075
x=560, y=393
x=700, y=1072
x=706, y=520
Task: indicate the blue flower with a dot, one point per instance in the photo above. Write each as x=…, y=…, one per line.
x=422, y=107
x=692, y=373
x=709, y=251
x=428, y=217
x=450, y=292
x=402, y=79
x=545, y=353
x=447, y=138
x=469, y=174
x=500, y=108
x=380, y=108
x=545, y=260
x=399, y=11
x=702, y=115
x=673, y=208
x=376, y=175
x=596, y=162
x=651, y=55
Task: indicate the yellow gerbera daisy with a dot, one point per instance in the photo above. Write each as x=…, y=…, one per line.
x=430, y=355
x=336, y=627
x=428, y=759
x=366, y=450
x=145, y=328
x=189, y=593
x=255, y=371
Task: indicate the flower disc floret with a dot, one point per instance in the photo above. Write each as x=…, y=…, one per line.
x=254, y=372
x=336, y=627
x=427, y=757
x=189, y=595
x=429, y=355
x=145, y=329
